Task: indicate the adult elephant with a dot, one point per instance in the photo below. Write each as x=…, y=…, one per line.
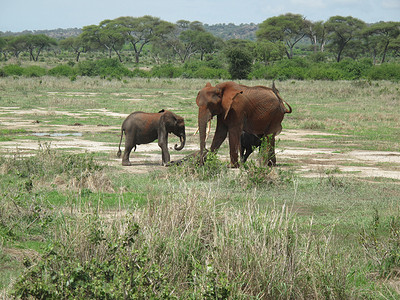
x=258, y=110
x=143, y=128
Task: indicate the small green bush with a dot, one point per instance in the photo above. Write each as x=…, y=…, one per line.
x=353, y=69
x=324, y=71
x=210, y=73
x=140, y=73
x=386, y=71
x=167, y=71
x=11, y=70
x=34, y=71
x=122, y=272
x=105, y=68
x=62, y=70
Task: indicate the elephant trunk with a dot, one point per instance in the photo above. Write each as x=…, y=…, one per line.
x=183, y=141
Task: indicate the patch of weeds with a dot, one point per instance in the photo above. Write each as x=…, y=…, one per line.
x=118, y=268
x=335, y=170
x=259, y=172
x=50, y=166
x=211, y=168
x=335, y=182
x=381, y=244
x=312, y=124
x=209, y=283
x=253, y=174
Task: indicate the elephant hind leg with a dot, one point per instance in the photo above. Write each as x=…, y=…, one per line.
x=129, y=144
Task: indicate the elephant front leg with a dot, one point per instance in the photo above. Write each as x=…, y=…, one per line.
x=220, y=135
x=234, y=145
x=164, y=153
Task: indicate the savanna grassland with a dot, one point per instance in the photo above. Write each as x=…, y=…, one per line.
x=74, y=223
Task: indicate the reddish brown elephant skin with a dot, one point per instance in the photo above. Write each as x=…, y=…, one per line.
x=257, y=110
x=143, y=128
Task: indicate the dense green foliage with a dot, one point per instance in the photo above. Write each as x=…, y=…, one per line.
x=168, y=47
x=238, y=68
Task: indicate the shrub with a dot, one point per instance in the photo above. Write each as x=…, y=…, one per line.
x=62, y=70
x=211, y=168
x=240, y=62
x=34, y=71
x=140, y=73
x=167, y=71
x=324, y=71
x=117, y=270
x=210, y=73
x=105, y=68
x=11, y=70
x=353, y=69
x=386, y=71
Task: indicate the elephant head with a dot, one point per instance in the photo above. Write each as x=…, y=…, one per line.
x=174, y=124
x=214, y=101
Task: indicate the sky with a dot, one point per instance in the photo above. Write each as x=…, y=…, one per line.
x=20, y=15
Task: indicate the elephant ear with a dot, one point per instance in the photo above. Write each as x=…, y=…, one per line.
x=229, y=94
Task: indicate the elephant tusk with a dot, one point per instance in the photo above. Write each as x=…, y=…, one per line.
x=209, y=129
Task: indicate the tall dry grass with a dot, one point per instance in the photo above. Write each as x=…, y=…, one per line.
x=249, y=250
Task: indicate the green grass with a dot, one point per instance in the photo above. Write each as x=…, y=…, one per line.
x=203, y=231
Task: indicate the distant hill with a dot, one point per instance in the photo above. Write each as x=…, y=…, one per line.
x=54, y=33
x=224, y=31
x=232, y=31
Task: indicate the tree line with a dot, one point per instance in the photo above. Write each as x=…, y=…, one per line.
x=277, y=38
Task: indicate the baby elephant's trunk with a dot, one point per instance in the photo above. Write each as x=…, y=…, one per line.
x=183, y=141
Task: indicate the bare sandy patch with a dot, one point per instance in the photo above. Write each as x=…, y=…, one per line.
x=307, y=161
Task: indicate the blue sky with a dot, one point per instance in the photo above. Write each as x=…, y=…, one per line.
x=19, y=15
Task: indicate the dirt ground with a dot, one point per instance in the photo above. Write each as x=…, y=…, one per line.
x=308, y=161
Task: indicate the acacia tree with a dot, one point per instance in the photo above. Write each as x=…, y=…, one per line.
x=206, y=42
x=184, y=39
x=380, y=35
x=36, y=43
x=316, y=31
x=141, y=31
x=77, y=44
x=3, y=44
x=107, y=35
x=341, y=31
x=16, y=44
x=288, y=28
x=266, y=51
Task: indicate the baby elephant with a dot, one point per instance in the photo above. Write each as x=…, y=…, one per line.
x=248, y=142
x=143, y=128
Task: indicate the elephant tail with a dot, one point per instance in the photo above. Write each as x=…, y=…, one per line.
x=283, y=102
x=287, y=110
x=119, y=146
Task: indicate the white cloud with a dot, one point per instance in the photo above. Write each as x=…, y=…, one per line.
x=391, y=4
x=309, y=4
